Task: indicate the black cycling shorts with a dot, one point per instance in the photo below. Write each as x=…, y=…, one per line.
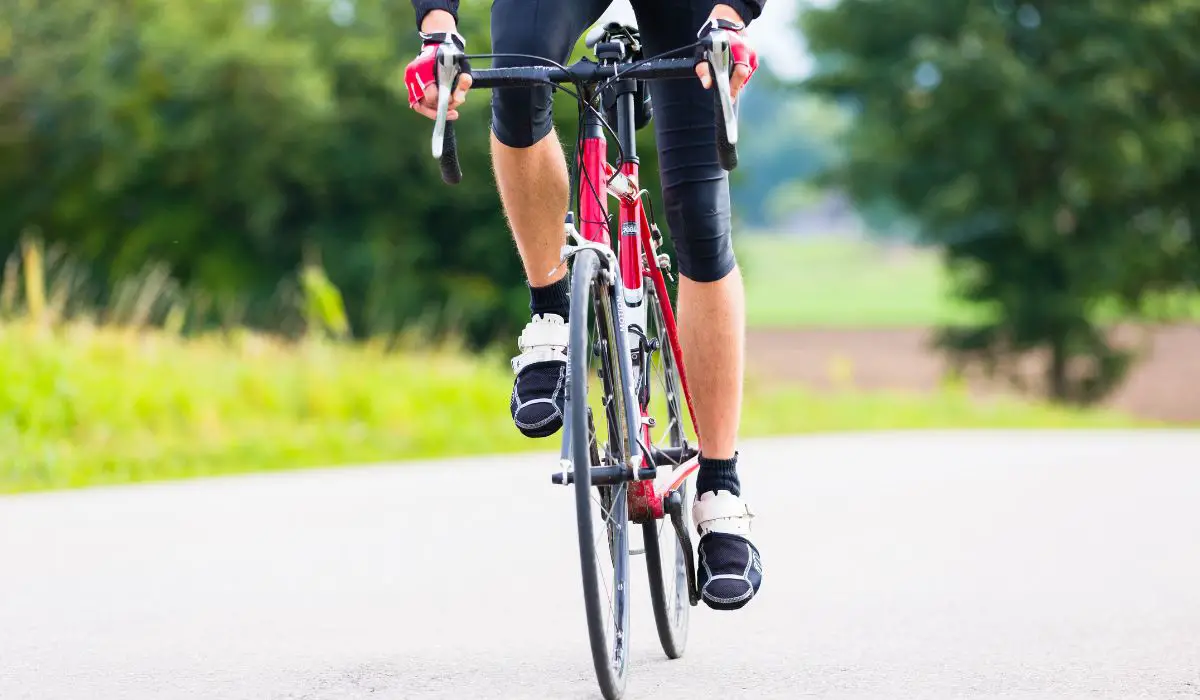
x=695, y=188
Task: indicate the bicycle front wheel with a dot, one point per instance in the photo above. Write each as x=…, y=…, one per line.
x=599, y=438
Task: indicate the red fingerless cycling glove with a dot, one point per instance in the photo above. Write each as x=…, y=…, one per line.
x=741, y=52
x=421, y=71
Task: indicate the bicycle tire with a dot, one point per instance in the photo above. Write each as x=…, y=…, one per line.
x=668, y=579
x=593, y=299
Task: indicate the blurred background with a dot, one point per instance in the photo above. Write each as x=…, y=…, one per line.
x=228, y=249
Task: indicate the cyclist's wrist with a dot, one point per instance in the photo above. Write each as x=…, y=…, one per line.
x=438, y=21
x=732, y=10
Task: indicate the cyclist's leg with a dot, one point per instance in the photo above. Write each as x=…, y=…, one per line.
x=532, y=178
x=711, y=300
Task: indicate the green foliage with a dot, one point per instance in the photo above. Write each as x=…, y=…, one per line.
x=796, y=281
x=840, y=283
x=323, y=304
x=224, y=138
x=1049, y=148
x=82, y=405
x=788, y=139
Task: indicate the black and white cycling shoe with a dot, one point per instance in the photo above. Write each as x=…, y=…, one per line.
x=538, y=392
x=730, y=568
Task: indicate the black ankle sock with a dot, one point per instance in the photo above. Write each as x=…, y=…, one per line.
x=718, y=475
x=551, y=299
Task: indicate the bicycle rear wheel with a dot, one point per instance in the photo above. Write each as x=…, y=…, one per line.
x=667, y=557
x=596, y=387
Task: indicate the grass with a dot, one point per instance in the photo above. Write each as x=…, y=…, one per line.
x=842, y=283
x=82, y=405
x=790, y=410
x=794, y=282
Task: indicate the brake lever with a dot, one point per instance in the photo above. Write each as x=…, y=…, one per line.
x=720, y=61
x=447, y=72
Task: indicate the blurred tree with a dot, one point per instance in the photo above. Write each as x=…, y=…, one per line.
x=789, y=138
x=1049, y=147
x=227, y=137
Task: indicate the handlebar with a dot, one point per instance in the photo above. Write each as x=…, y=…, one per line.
x=584, y=72
x=452, y=62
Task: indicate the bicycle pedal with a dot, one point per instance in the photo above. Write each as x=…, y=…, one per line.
x=565, y=476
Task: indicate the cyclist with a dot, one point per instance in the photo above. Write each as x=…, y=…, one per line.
x=532, y=178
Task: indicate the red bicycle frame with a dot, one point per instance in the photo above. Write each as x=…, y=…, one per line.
x=638, y=256
x=636, y=246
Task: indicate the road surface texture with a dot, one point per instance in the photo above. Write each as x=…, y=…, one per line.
x=897, y=566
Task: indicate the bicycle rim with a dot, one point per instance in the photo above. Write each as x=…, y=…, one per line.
x=595, y=399
x=665, y=560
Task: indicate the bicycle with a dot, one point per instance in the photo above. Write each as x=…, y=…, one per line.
x=622, y=328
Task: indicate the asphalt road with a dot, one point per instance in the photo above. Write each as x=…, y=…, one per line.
x=898, y=566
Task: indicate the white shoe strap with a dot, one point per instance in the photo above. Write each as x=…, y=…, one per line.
x=545, y=330
x=544, y=340
x=721, y=511
x=543, y=354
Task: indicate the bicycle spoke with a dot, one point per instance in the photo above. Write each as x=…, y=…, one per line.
x=608, y=525
x=608, y=565
x=674, y=424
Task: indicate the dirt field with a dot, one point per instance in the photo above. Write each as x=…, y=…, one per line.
x=1164, y=384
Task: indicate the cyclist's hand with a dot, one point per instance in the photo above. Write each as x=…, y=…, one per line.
x=421, y=81
x=745, y=59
